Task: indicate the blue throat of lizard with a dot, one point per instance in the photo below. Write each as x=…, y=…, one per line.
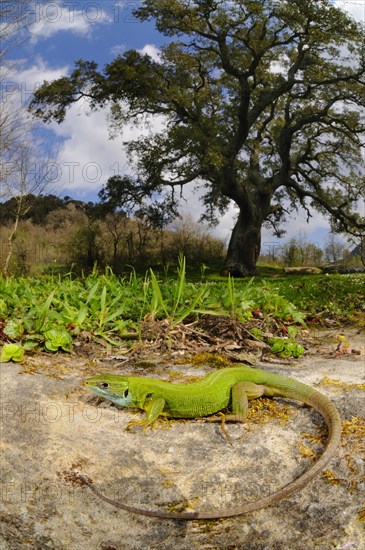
x=124, y=400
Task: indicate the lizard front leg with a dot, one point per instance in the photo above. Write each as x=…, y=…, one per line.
x=153, y=407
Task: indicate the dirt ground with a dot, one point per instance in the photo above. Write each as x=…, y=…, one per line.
x=52, y=427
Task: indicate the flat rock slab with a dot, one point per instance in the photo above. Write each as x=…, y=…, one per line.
x=302, y=270
x=52, y=428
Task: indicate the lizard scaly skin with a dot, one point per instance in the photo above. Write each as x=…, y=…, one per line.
x=231, y=387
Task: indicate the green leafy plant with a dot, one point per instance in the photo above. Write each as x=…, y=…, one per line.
x=286, y=347
x=257, y=333
x=56, y=339
x=13, y=329
x=12, y=352
x=110, y=308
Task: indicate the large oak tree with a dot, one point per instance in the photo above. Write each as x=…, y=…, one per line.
x=261, y=102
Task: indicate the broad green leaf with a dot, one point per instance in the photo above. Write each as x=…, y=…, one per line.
x=12, y=352
x=56, y=339
x=13, y=329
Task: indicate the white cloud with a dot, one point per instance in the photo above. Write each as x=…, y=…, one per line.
x=19, y=83
x=87, y=156
x=118, y=49
x=51, y=18
x=153, y=51
x=355, y=8
x=34, y=75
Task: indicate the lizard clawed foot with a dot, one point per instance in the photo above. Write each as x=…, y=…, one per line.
x=223, y=427
x=220, y=417
x=134, y=423
x=142, y=423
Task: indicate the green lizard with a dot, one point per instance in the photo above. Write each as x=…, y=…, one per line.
x=230, y=387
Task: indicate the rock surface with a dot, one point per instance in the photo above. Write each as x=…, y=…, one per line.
x=302, y=270
x=344, y=269
x=52, y=427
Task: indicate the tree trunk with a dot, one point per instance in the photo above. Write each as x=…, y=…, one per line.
x=10, y=245
x=244, y=246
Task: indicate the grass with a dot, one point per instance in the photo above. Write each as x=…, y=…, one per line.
x=324, y=295
x=48, y=312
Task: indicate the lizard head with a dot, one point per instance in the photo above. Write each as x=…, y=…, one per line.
x=112, y=387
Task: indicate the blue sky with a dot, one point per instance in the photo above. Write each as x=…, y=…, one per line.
x=63, y=31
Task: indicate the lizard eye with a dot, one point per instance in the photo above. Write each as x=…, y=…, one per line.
x=126, y=393
x=104, y=385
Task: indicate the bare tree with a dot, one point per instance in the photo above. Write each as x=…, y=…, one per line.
x=26, y=179
x=21, y=178
x=15, y=125
x=116, y=225
x=16, y=18
x=334, y=248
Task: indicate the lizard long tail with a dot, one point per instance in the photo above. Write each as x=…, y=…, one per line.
x=319, y=402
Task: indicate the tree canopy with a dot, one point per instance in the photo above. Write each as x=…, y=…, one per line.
x=261, y=105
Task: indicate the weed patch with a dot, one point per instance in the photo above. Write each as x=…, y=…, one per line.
x=52, y=312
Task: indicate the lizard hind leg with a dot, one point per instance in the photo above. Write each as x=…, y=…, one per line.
x=241, y=392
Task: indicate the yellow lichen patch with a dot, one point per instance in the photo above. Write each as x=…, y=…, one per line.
x=314, y=438
x=353, y=439
x=182, y=505
x=327, y=381
x=27, y=369
x=264, y=410
x=209, y=359
x=354, y=427
x=305, y=451
x=331, y=477
x=353, y=447
x=174, y=375
x=351, y=464
x=167, y=483
x=361, y=514
x=318, y=438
